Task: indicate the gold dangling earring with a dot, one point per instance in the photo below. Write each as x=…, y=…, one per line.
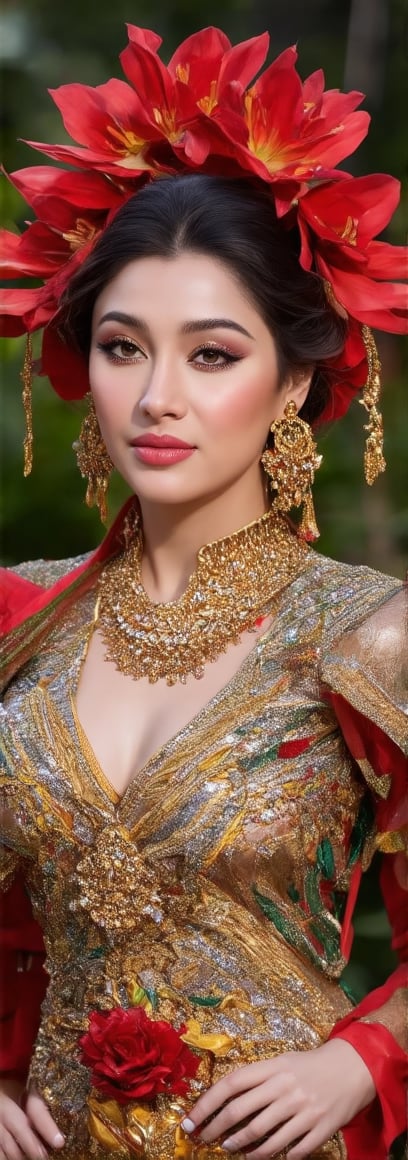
x=93, y=461
x=291, y=466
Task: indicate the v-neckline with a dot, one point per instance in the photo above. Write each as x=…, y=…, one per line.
x=167, y=749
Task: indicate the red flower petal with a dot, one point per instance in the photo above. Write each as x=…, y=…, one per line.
x=40, y=251
x=243, y=61
x=368, y=203
x=208, y=63
x=380, y=304
x=85, y=190
x=148, y=75
x=383, y=260
x=64, y=366
x=100, y=117
x=313, y=90
x=202, y=50
x=144, y=36
x=19, y=311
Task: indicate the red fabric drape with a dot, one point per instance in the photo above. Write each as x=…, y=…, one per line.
x=371, y=1133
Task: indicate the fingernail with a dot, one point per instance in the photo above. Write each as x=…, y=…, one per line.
x=58, y=1140
x=188, y=1125
x=227, y=1144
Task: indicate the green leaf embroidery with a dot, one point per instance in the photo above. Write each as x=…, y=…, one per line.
x=325, y=859
x=205, y=1000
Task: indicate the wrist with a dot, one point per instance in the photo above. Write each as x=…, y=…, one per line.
x=348, y=1059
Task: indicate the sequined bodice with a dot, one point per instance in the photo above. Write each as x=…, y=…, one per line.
x=215, y=886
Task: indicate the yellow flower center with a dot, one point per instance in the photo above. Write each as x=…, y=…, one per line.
x=263, y=139
x=82, y=233
x=183, y=73
x=166, y=120
x=209, y=103
x=349, y=233
x=130, y=146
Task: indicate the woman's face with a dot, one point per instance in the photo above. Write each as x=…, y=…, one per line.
x=180, y=353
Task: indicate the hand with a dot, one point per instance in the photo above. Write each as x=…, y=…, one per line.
x=24, y=1133
x=302, y=1096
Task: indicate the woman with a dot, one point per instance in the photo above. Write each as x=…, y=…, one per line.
x=202, y=747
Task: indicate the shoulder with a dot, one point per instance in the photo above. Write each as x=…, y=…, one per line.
x=382, y=633
x=20, y=586
x=369, y=609
x=45, y=573
x=354, y=622
x=335, y=598
x=365, y=660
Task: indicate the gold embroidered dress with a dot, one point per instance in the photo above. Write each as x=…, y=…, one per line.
x=214, y=891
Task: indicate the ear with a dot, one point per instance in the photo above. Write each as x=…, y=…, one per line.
x=296, y=387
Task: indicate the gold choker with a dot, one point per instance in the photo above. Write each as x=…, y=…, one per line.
x=232, y=587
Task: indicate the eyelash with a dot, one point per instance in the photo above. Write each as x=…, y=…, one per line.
x=110, y=344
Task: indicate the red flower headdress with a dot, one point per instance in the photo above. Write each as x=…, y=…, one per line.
x=200, y=113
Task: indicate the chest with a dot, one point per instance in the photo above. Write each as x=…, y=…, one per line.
x=126, y=721
x=253, y=742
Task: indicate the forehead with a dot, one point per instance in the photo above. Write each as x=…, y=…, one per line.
x=189, y=285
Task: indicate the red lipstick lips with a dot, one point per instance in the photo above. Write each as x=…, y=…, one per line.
x=160, y=441
x=161, y=450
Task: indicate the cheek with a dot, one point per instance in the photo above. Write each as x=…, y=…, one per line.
x=106, y=397
x=248, y=405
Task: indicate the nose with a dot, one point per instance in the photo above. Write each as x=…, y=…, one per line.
x=162, y=394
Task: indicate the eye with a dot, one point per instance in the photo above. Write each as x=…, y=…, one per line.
x=121, y=350
x=213, y=357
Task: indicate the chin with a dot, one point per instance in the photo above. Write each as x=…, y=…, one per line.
x=164, y=491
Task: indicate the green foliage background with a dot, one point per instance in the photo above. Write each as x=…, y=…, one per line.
x=46, y=44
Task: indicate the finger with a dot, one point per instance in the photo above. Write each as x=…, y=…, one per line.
x=9, y=1149
x=313, y=1139
x=17, y=1126
x=279, y=1113
x=240, y=1080
x=293, y=1130
x=41, y=1119
x=237, y=1111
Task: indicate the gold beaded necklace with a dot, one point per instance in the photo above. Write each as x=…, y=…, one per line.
x=232, y=587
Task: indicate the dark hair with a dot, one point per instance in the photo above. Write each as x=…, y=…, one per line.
x=233, y=220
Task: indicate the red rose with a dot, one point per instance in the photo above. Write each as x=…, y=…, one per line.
x=133, y=1057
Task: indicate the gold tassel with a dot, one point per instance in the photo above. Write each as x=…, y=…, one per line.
x=308, y=529
x=26, y=375
x=93, y=461
x=374, y=462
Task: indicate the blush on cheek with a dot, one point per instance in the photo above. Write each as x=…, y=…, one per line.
x=250, y=407
x=108, y=402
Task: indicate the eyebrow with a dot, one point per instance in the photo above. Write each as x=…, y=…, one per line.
x=214, y=324
x=192, y=327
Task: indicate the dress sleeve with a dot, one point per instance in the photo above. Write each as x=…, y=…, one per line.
x=23, y=978
x=365, y=677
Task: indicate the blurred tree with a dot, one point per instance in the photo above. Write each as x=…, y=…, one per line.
x=366, y=48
